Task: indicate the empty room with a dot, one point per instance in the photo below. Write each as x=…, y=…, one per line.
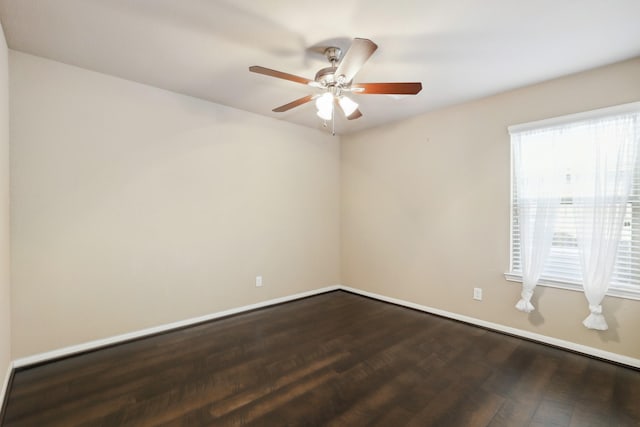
x=342, y=213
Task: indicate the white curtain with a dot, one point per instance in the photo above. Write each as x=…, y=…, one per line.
x=602, y=174
x=539, y=180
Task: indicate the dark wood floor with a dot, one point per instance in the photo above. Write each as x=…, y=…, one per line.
x=336, y=359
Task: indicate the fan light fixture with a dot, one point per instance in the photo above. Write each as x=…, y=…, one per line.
x=324, y=104
x=348, y=105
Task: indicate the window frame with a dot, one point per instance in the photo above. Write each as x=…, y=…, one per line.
x=510, y=275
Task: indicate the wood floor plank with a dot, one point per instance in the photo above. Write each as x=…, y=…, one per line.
x=513, y=413
x=336, y=359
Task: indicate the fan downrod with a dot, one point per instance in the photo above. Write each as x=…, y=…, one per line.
x=333, y=54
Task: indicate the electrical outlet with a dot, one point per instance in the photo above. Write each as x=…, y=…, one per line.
x=477, y=294
x=258, y=281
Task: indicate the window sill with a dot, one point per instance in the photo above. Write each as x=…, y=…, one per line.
x=619, y=293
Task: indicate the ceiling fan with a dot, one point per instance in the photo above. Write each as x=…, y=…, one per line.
x=337, y=80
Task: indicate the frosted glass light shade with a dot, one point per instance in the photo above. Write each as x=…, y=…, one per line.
x=324, y=104
x=348, y=105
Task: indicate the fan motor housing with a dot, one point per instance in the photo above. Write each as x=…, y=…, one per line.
x=327, y=76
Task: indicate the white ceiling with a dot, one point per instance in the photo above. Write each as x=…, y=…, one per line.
x=458, y=49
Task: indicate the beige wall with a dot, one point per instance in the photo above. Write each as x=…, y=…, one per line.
x=134, y=207
x=5, y=290
x=425, y=209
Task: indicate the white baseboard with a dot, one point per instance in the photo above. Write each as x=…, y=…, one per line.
x=5, y=385
x=92, y=345
x=591, y=351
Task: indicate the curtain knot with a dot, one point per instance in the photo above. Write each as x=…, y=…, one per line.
x=595, y=309
x=595, y=320
x=524, y=304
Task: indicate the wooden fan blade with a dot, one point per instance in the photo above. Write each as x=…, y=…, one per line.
x=293, y=104
x=279, y=74
x=387, y=88
x=355, y=115
x=354, y=59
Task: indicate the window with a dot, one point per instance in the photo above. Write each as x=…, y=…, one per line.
x=559, y=145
